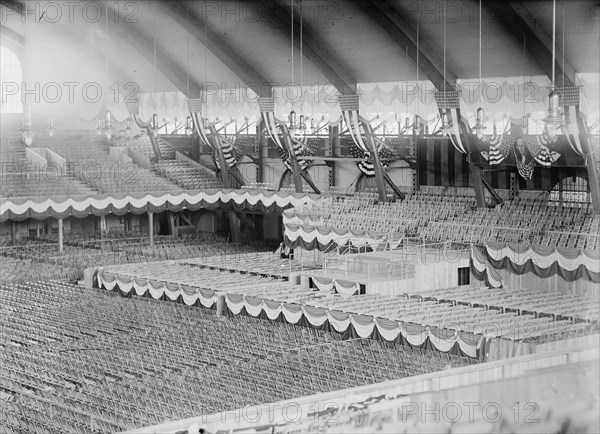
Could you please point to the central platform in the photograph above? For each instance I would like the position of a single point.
(394, 272)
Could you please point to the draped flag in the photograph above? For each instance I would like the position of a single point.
(449, 104)
(499, 148)
(569, 100)
(195, 108)
(231, 153)
(355, 124)
(357, 128)
(525, 161)
(539, 150)
(299, 145)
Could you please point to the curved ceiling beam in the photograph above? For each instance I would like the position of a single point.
(198, 29)
(16, 37)
(145, 46)
(313, 48)
(519, 22)
(401, 32)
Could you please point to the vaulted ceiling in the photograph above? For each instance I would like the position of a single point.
(232, 43)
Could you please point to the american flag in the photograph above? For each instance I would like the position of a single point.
(448, 103)
(367, 166)
(299, 145)
(525, 163)
(499, 147)
(539, 150)
(231, 153)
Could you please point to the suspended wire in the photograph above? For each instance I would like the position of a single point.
(187, 41)
(154, 46)
(106, 44)
(417, 98)
(553, 42)
(480, 43)
(301, 24)
(444, 46)
(563, 43)
(292, 39)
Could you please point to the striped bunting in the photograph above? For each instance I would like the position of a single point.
(499, 147)
(195, 108)
(349, 105)
(230, 153)
(366, 166)
(524, 167)
(540, 151)
(267, 108)
(569, 98)
(448, 103)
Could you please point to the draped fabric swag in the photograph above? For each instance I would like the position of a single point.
(501, 98)
(356, 326)
(128, 285)
(19, 209)
(543, 261)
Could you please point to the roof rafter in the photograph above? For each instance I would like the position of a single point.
(402, 33)
(314, 49)
(164, 63)
(198, 29)
(517, 19)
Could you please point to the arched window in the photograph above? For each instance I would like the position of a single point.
(12, 76)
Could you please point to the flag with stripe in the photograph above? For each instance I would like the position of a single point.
(499, 148)
(524, 160)
(539, 150)
(448, 103)
(195, 108)
(349, 105)
(367, 166)
(573, 129)
(272, 126)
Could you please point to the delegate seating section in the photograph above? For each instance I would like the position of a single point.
(141, 142)
(20, 178)
(81, 360)
(441, 215)
(571, 306)
(260, 263)
(40, 259)
(186, 274)
(187, 176)
(93, 165)
(478, 320)
(40, 183)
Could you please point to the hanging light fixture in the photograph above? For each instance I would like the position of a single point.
(50, 127)
(296, 128)
(479, 122)
(554, 119)
(417, 125)
(108, 129)
(128, 124)
(27, 134)
(155, 126)
(189, 128)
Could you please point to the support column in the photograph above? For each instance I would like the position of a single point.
(13, 232)
(60, 236)
(379, 173)
(37, 229)
(476, 176)
(593, 180)
(151, 227)
(296, 170)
